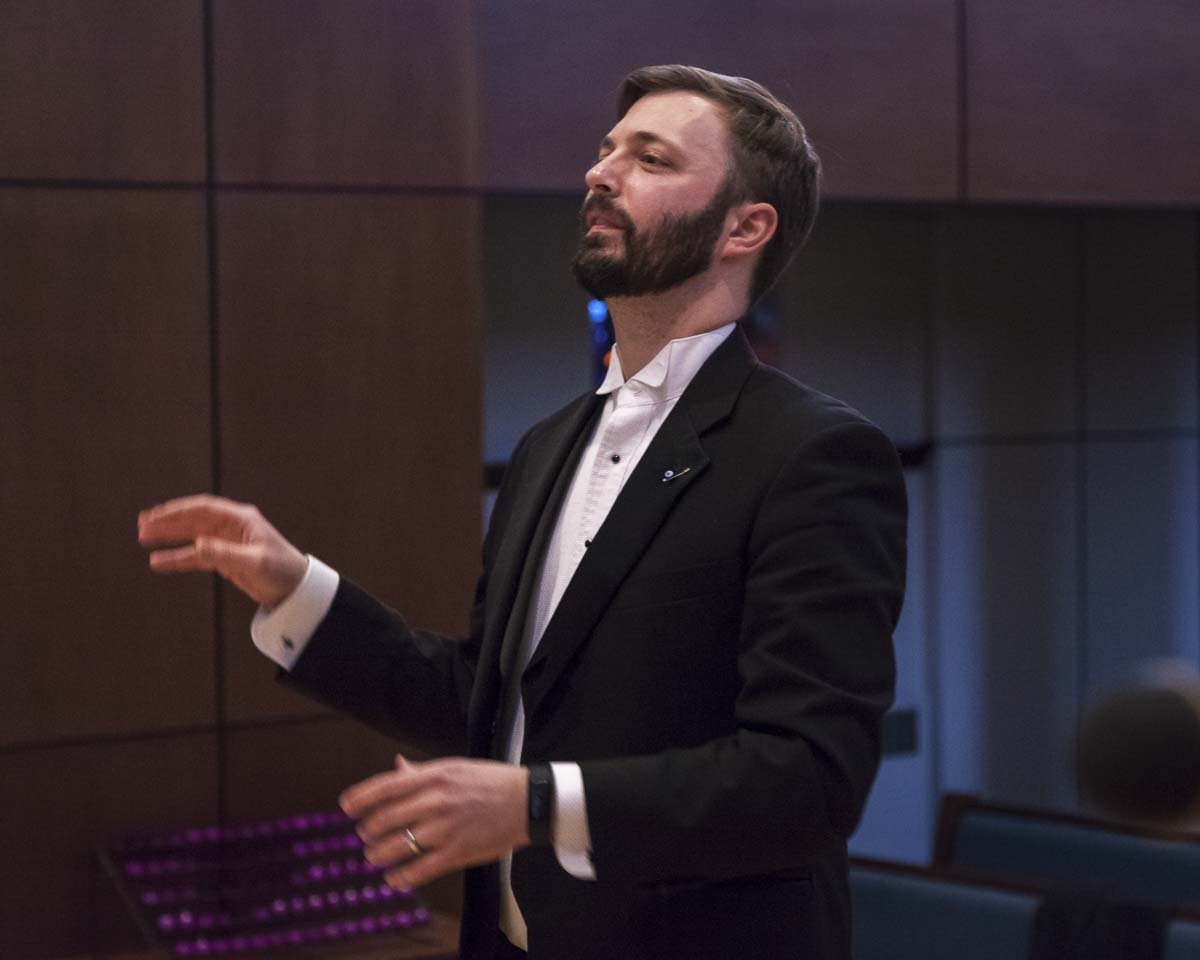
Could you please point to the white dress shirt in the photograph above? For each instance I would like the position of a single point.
(632, 414)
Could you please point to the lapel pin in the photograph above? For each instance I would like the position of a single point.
(670, 475)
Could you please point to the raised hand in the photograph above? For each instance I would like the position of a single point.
(205, 532)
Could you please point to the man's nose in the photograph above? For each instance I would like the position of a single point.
(601, 178)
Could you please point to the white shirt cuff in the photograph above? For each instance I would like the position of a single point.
(283, 631)
(572, 839)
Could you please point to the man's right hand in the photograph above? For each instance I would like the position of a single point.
(204, 532)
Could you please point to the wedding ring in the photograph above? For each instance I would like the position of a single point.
(415, 847)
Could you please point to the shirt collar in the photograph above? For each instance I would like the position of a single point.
(668, 374)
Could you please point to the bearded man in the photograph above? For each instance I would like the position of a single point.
(668, 705)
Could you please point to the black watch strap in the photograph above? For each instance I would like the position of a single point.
(541, 804)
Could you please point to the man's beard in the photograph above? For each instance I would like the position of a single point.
(677, 248)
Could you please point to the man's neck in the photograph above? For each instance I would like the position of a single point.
(644, 325)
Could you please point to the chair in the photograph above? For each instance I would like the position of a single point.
(906, 913)
(1102, 857)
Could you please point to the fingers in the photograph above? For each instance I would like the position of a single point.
(421, 870)
(207, 553)
(187, 518)
(432, 833)
(359, 800)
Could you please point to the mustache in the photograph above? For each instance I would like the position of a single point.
(599, 203)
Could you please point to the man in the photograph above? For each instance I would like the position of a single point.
(683, 624)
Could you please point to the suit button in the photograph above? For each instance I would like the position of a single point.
(616, 458)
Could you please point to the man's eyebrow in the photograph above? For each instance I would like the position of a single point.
(643, 137)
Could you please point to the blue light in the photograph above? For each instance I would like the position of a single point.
(597, 311)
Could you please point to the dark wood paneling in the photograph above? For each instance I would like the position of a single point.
(297, 767)
(59, 804)
(345, 91)
(1007, 323)
(873, 81)
(105, 399)
(1084, 101)
(102, 89)
(350, 399)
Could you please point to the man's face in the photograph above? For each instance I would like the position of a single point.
(657, 198)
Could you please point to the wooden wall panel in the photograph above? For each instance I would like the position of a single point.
(58, 804)
(345, 91)
(1087, 101)
(873, 81)
(350, 398)
(102, 89)
(105, 399)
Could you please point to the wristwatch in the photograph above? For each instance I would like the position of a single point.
(541, 804)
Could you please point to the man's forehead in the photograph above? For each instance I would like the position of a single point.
(678, 118)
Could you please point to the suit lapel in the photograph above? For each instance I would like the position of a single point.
(548, 460)
(674, 461)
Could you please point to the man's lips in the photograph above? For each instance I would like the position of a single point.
(598, 221)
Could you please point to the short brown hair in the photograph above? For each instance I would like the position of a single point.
(773, 160)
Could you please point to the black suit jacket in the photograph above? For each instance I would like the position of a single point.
(718, 666)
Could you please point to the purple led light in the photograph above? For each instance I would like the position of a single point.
(186, 919)
(295, 936)
(150, 898)
(334, 870)
(404, 918)
(350, 895)
(420, 914)
(279, 906)
(368, 925)
(202, 947)
(316, 872)
(260, 941)
(332, 898)
(239, 943)
(349, 927)
(300, 849)
(386, 922)
(166, 922)
(262, 914)
(134, 868)
(331, 930)
(183, 949)
(369, 894)
(315, 901)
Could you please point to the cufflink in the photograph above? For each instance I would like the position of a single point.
(669, 475)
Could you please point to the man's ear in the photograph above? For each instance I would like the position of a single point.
(753, 227)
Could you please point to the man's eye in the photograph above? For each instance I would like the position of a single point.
(653, 160)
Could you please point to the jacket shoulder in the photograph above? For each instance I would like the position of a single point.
(795, 408)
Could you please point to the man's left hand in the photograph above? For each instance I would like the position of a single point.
(459, 812)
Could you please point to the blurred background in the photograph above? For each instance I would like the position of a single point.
(314, 255)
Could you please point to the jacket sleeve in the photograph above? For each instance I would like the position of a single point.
(366, 660)
(823, 587)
